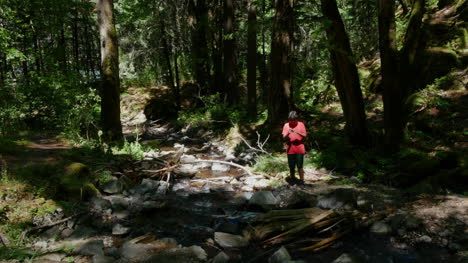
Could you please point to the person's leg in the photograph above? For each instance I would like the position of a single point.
(292, 166)
(300, 166)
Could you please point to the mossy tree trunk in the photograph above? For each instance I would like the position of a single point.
(110, 96)
(230, 54)
(280, 93)
(346, 74)
(252, 61)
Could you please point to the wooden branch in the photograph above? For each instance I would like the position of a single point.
(25, 232)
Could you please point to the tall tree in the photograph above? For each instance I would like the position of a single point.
(392, 95)
(200, 60)
(110, 101)
(280, 94)
(230, 54)
(398, 68)
(345, 73)
(252, 61)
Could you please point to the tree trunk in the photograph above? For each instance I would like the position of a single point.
(346, 74)
(252, 62)
(216, 47)
(199, 44)
(167, 57)
(177, 89)
(392, 96)
(279, 96)
(230, 54)
(110, 103)
(262, 67)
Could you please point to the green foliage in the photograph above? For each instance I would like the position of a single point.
(316, 93)
(134, 149)
(271, 164)
(15, 253)
(214, 112)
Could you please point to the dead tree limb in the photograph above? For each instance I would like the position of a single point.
(25, 232)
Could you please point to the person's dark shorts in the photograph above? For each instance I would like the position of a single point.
(296, 160)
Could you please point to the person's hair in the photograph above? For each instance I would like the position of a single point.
(292, 115)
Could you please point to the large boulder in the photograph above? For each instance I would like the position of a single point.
(264, 199)
(340, 199)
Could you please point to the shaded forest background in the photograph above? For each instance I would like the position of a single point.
(381, 85)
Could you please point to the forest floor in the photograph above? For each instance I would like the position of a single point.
(153, 218)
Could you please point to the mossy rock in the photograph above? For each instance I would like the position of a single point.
(75, 177)
(90, 191)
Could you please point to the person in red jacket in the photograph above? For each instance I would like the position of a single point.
(294, 133)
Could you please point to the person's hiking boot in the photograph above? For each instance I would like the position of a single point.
(292, 180)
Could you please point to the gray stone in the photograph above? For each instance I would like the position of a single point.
(112, 186)
(112, 252)
(280, 256)
(152, 205)
(90, 248)
(99, 204)
(103, 259)
(347, 258)
(82, 231)
(131, 251)
(147, 185)
(289, 199)
(380, 228)
(180, 186)
(124, 214)
(425, 239)
(199, 252)
(340, 199)
(51, 257)
(162, 189)
(187, 169)
(412, 222)
(263, 198)
(218, 167)
(118, 229)
(226, 240)
(118, 202)
(222, 188)
(220, 258)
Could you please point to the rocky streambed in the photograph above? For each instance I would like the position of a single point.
(199, 214)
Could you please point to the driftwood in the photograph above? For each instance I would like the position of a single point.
(260, 144)
(27, 231)
(287, 226)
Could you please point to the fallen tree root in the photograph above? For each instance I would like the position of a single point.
(27, 231)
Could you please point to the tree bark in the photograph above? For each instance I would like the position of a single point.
(346, 74)
(252, 61)
(230, 54)
(110, 97)
(279, 95)
(199, 44)
(392, 95)
(167, 57)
